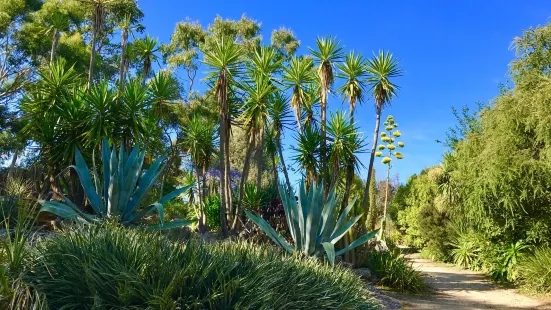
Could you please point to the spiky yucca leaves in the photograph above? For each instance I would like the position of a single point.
(116, 194)
(298, 76)
(345, 143)
(307, 149)
(313, 223)
(144, 50)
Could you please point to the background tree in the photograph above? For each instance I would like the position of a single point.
(381, 69)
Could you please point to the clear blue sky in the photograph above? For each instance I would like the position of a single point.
(453, 52)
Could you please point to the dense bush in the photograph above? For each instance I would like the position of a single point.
(112, 267)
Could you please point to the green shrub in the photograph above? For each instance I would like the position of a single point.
(395, 272)
(113, 267)
(534, 271)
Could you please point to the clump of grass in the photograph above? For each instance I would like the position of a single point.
(534, 271)
(396, 272)
(108, 266)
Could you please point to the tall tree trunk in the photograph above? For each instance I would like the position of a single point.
(122, 69)
(13, 163)
(371, 159)
(227, 167)
(244, 174)
(92, 59)
(274, 171)
(201, 219)
(387, 190)
(280, 151)
(349, 164)
(224, 135)
(323, 148)
(259, 158)
(55, 42)
(297, 116)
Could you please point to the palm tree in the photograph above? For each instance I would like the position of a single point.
(123, 66)
(57, 23)
(298, 76)
(309, 106)
(346, 143)
(199, 137)
(279, 119)
(381, 69)
(353, 72)
(255, 118)
(145, 50)
(328, 52)
(99, 11)
(224, 59)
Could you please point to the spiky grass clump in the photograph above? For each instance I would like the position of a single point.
(395, 272)
(535, 271)
(113, 267)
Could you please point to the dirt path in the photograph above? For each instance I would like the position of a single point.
(462, 289)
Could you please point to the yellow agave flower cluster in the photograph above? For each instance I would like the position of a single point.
(388, 138)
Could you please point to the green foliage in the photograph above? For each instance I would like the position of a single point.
(313, 223)
(112, 267)
(396, 272)
(119, 193)
(535, 271)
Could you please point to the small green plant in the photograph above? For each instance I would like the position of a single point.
(395, 272)
(313, 223)
(465, 252)
(534, 271)
(505, 269)
(252, 197)
(117, 196)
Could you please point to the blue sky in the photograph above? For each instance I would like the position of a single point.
(453, 52)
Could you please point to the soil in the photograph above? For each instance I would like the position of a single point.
(456, 288)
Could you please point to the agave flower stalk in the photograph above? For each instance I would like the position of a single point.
(388, 140)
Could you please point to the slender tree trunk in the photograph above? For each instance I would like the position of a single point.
(229, 198)
(349, 164)
(323, 148)
(122, 69)
(244, 174)
(283, 164)
(92, 59)
(371, 159)
(55, 42)
(259, 158)
(297, 116)
(387, 189)
(223, 116)
(201, 208)
(274, 171)
(13, 163)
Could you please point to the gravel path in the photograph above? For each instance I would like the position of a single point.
(463, 289)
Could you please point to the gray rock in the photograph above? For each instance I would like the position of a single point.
(363, 273)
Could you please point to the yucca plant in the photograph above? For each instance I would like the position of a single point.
(313, 223)
(118, 195)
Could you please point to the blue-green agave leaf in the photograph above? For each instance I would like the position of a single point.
(363, 239)
(330, 251)
(276, 237)
(86, 181)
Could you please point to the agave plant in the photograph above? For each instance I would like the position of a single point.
(118, 196)
(313, 223)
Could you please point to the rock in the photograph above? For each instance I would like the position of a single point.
(363, 273)
(385, 301)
